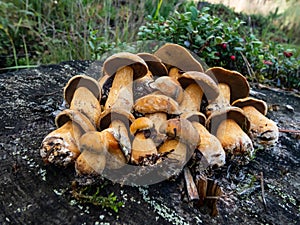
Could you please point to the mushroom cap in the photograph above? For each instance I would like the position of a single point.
(114, 114)
(260, 105)
(153, 103)
(117, 61)
(194, 116)
(234, 113)
(154, 64)
(239, 86)
(76, 117)
(81, 81)
(169, 86)
(141, 123)
(205, 82)
(178, 56)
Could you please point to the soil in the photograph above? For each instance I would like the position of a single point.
(34, 193)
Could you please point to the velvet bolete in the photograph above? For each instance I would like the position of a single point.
(232, 86)
(230, 126)
(262, 130)
(83, 94)
(60, 146)
(125, 67)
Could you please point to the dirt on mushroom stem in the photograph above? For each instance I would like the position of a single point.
(33, 187)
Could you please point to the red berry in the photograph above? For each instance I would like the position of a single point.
(224, 45)
(287, 54)
(232, 57)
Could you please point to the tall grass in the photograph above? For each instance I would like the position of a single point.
(43, 32)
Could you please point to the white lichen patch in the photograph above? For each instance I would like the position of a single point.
(162, 210)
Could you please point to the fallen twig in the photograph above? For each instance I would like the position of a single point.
(190, 185)
(289, 131)
(263, 190)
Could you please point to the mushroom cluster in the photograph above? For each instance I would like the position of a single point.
(146, 109)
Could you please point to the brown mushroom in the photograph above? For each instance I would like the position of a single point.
(232, 85)
(230, 126)
(82, 93)
(155, 65)
(181, 129)
(142, 144)
(100, 150)
(126, 67)
(169, 86)
(92, 160)
(157, 107)
(181, 142)
(119, 120)
(60, 146)
(179, 58)
(208, 144)
(195, 85)
(262, 130)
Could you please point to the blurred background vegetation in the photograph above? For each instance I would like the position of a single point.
(265, 48)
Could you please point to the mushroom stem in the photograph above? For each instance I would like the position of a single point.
(209, 146)
(224, 97)
(192, 98)
(158, 119)
(262, 129)
(174, 72)
(222, 101)
(120, 94)
(177, 151)
(60, 146)
(92, 160)
(85, 102)
(142, 147)
(120, 133)
(233, 139)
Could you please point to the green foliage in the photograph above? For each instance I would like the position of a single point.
(228, 44)
(85, 195)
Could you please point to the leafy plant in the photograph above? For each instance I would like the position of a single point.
(228, 44)
(85, 195)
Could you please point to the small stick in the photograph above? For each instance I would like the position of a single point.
(263, 190)
(289, 131)
(190, 185)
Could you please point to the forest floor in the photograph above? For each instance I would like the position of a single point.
(265, 191)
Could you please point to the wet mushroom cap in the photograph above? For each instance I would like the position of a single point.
(140, 124)
(234, 113)
(174, 55)
(155, 65)
(153, 103)
(239, 86)
(205, 82)
(169, 86)
(76, 117)
(81, 81)
(260, 105)
(120, 60)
